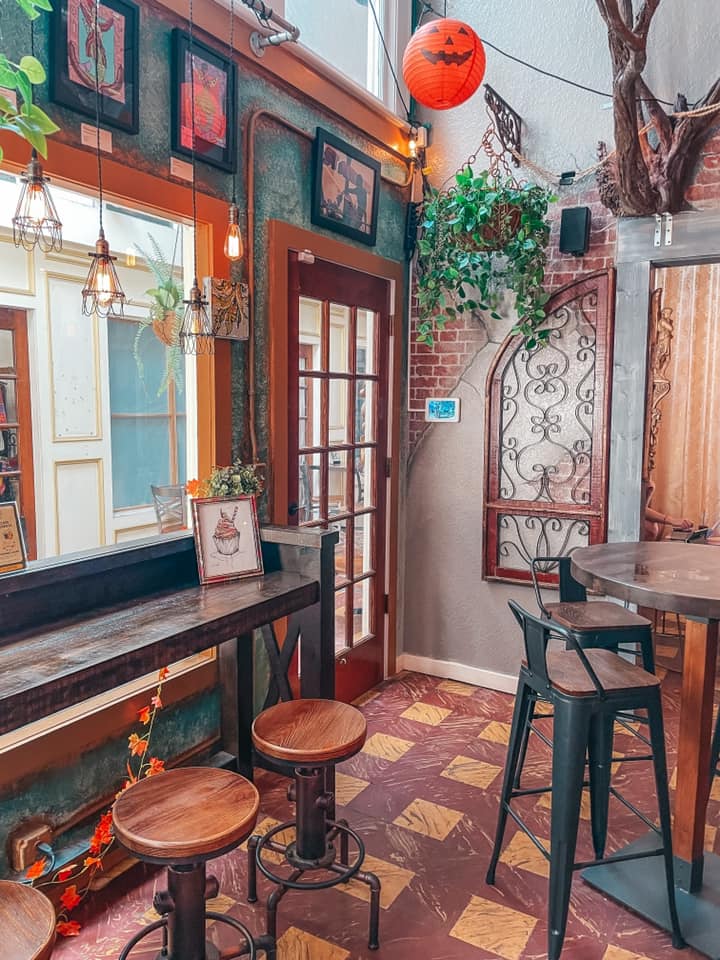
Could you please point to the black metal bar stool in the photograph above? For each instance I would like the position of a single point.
(308, 737)
(181, 819)
(27, 922)
(586, 689)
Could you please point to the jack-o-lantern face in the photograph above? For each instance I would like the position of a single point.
(444, 63)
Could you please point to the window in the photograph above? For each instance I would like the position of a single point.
(547, 442)
(344, 33)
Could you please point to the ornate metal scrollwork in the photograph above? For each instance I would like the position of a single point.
(520, 538)
(508, 123)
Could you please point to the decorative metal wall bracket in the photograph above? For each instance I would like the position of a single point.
(287, 33)
(229, 307)
(508, 123)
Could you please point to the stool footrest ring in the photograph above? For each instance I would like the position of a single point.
(343, 871)
(252, 944)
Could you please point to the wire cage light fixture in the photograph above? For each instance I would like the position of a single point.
(233, 248)
(196, 334)
(36, 221)
(103, 293)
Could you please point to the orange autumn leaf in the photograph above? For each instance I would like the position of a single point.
(138, 746)
(68, 928)
(65, 872)
(103, 833)
(155, 766)
(156, 702)
(164, 674)
(144, 715)
(70, 898)
(193, 488)
(36, 869)
(93, 862)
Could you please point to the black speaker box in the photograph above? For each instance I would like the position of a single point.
(575, 231)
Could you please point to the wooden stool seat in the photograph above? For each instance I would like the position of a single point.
(591, 615)
(185, 815)
(568, 675)
(309, 732)
(27, 922)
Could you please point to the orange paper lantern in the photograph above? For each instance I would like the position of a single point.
(444, 63)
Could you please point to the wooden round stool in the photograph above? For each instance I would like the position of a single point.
(181, 819)
(310, 736)
(27, 922)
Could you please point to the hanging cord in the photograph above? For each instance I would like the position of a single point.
(192, 145)
(97, 113)
(232, 60)
(389, 59)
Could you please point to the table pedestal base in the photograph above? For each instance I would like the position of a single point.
(640, 885)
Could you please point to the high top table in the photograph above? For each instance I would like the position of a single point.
(678, 578)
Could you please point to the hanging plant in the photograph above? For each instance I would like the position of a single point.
(165, 313)
(483, 236)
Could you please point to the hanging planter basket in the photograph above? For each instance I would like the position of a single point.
(165, 328)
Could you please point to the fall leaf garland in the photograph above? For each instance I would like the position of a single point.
(102, 838)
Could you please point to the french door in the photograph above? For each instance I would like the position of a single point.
(16, 448)
(337, 446)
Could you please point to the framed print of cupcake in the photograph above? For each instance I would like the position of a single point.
(227, 538)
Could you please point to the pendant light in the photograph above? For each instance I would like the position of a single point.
(196, 332)
(233, 239)
(36, 222)
(102, 293)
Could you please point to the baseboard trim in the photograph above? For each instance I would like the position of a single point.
(450, 670)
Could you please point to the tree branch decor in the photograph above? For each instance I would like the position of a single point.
(78, 877)
(650, 178)
(485, 235)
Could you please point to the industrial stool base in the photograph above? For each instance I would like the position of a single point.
(313, 849)
(184, 917)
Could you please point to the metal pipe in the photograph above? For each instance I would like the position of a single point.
(250, 200)
(288, 33)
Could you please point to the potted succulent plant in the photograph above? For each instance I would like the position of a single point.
(483, 236)
(239, 479)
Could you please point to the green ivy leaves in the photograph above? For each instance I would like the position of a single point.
(482, 237)
(19, 115)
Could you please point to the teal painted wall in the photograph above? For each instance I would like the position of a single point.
(283, 188)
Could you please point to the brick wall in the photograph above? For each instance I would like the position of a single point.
(436, 370)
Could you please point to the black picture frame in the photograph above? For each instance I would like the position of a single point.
(71, 85)
(207, 149)
(339, 202)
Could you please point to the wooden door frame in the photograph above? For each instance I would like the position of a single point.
(284, 238)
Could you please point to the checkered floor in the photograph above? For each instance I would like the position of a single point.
(424, 794)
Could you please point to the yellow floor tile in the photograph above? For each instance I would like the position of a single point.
(545, 803)
(295, 944)
(393, 880)
(496, 732)
(387, 747)
(617, 953)
(495, 928)
(522, 853)
(715, 790)
(220, 904)
(347, 788)
(429, 819)
(261, 829)
(542, 708)
(366, 698)
(426, 713)
(459, 689)
(473, 772)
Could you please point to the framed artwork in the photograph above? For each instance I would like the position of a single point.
(214, 80)
(72, 59)
(227, 538)
(12, 544)
(346, 189)
(442, 409)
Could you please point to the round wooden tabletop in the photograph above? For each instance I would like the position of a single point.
(27, 922)
(678, 577)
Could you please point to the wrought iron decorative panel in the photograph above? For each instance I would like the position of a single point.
(547, 434)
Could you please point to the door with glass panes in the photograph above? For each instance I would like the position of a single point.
(338, 387)
(16, 446)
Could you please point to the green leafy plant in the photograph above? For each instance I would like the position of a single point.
(480, 238)
(239, 479)
(23, 117)
(165, 314)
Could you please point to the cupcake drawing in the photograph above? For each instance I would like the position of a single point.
(226, 536)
